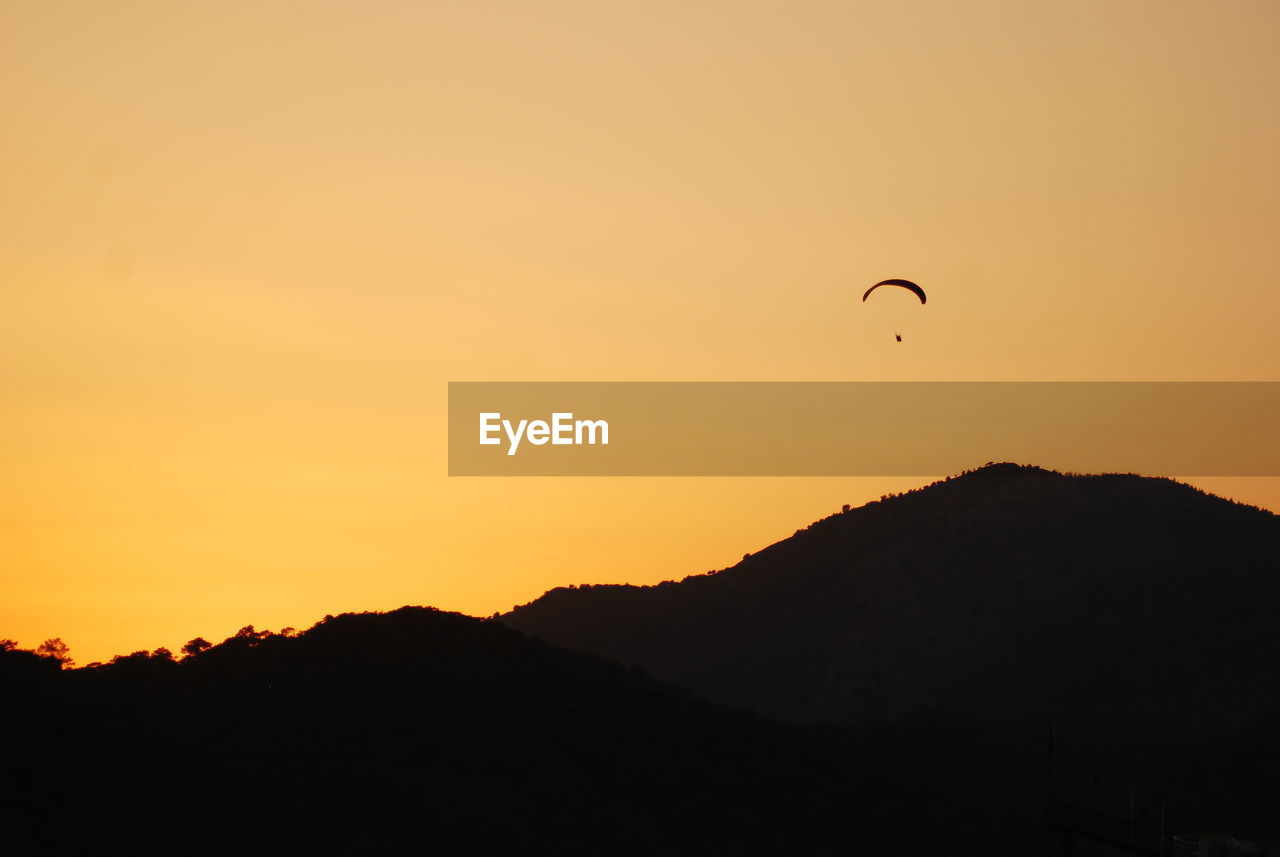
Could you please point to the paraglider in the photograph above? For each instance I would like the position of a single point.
(906, 284)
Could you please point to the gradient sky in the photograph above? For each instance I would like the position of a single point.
(244, 246)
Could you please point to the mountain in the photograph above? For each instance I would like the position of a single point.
(1091, 659)
(419, 731)
(920, 647)
(1119, 608)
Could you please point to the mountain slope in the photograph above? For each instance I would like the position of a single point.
(415, 732)
(1119, 607)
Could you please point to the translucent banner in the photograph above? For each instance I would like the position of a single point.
(861, 428)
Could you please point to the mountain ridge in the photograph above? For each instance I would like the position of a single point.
(419, 731)
(954, 593)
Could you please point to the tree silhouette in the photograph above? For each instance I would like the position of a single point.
(195, 647)
(56, 649)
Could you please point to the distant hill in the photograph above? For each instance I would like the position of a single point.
(419, 732)
(1120, 608)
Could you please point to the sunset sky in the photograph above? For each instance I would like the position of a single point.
(245, 245)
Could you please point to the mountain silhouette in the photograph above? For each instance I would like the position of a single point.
(1011, 661)
(1093, 657)
(1116, 607)
(418, 731)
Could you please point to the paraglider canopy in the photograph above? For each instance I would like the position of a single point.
(906, 284)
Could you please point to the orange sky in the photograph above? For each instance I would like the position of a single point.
(244, 245)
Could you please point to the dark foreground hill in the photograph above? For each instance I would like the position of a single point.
(1115, 606)
(419, 732)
